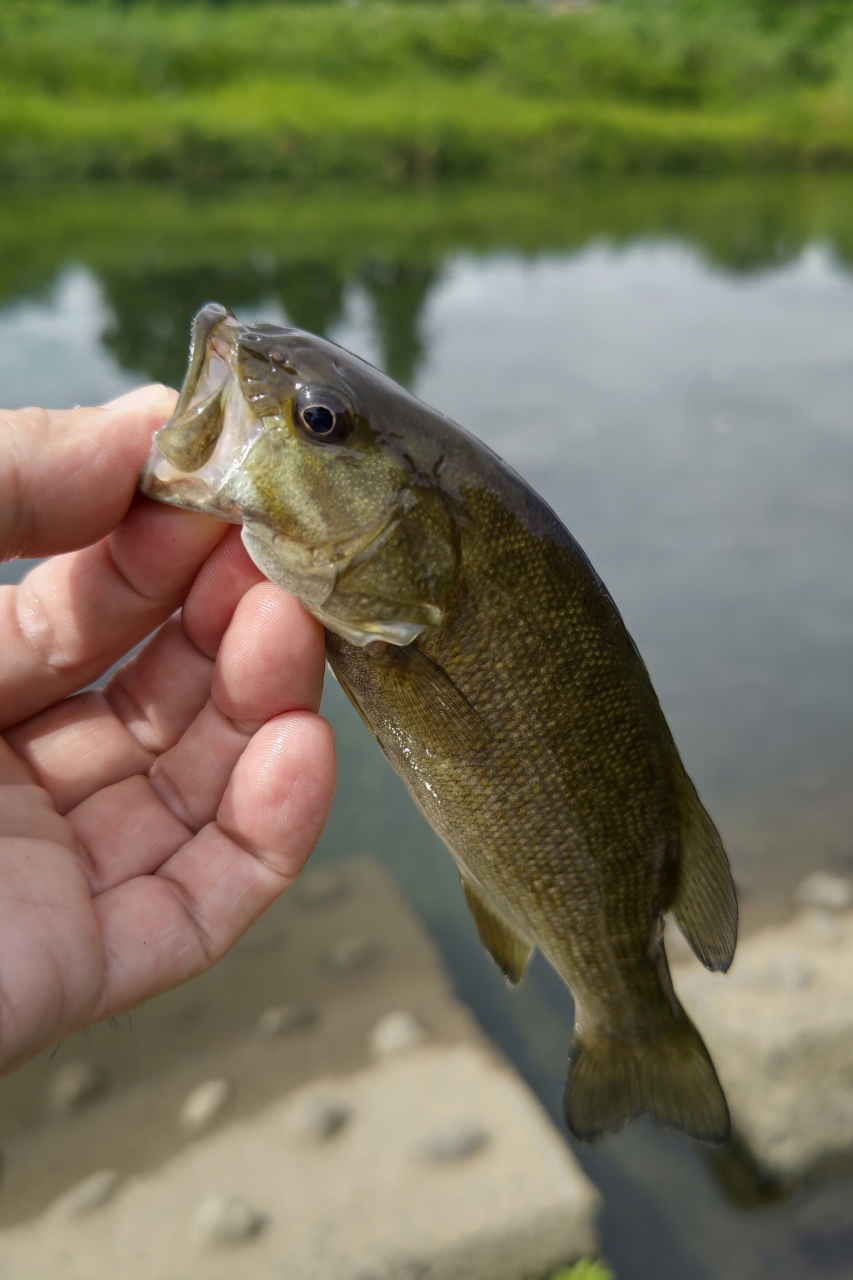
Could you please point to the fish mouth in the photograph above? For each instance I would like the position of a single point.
(201, 447)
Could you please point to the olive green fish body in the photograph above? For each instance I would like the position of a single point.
(488, 659)
(525, 800)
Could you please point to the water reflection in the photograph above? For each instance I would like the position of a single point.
(671, 367)
(150, 312)
(398, 291)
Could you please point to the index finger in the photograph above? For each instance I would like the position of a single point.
(74, 616)
(67, 477)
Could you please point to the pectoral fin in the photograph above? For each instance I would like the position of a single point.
(425, 700)
(705, 906)
(508, 948)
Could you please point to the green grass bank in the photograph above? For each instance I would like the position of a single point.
(400, 92)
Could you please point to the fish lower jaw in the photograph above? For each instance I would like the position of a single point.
(211, 489)
(164, 483)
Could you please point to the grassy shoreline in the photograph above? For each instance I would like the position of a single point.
(396, 93)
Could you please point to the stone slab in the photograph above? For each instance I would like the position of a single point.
(779, 1027)
(343, 944)
(399, 1189)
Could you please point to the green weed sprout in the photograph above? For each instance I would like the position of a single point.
(586, 1269)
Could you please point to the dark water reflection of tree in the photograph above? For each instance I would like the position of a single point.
(151, 310)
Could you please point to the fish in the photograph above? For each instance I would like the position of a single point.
(490, 663)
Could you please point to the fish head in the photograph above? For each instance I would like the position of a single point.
(330, 468)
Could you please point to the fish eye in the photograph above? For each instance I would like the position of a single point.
(321, 415)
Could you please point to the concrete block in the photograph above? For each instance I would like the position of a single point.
(446, 1169)
(779, 1027)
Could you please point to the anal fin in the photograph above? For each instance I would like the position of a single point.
(505, 944)
(705, 906)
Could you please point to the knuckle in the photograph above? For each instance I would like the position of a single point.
(37, 627)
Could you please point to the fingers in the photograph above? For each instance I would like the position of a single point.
(279, 796)
(68, 476)
(191, 778)
(162, 689)
(158, 693)
(270, 663)
(74, 616)
(223, 579)
(12, 767)
(161, 930)
(122, 900)
(26, 810)
(129, 830)
(125, 831)
(272, 660)
(50, 946)
(79, 746)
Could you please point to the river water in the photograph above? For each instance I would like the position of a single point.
(687, 413)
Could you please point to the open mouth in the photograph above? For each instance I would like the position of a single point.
(195, 455)
(189, 438)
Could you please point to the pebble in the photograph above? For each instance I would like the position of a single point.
(350, 954)
(204, 1103)
(457, 1142)
(226, 1220)
(831, 893)
(87, 1195)
(318, 1119)
(74, 1085)
(321, 888)
(282, 1018)
(395, 1033)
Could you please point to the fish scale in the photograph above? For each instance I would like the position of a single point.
(489, 661)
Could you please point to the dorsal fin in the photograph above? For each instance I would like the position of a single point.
(705, 905)
(506, 945)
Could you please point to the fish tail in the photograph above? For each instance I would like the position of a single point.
(670, 1078)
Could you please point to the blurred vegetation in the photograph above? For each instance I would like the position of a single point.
(401, 91)
(586, 1269)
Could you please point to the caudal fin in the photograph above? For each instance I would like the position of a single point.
(671, 1079)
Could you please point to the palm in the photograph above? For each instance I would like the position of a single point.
(144, 826)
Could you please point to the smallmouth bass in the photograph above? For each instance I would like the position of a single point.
(489, 661)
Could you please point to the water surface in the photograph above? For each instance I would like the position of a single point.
(678, 386)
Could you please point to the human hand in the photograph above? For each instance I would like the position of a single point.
(143, 826)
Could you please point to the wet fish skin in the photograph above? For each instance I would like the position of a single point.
(492, 666)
